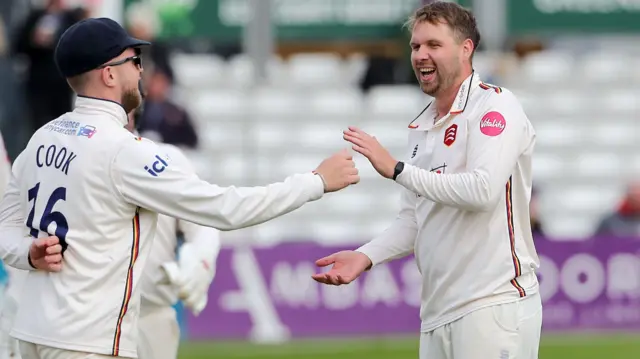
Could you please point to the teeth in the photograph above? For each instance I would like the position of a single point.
(427, 71)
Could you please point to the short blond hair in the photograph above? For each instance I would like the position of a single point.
(460, 20)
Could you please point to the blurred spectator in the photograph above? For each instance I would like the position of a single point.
(160, 119)
(625, 222)
(508, 64)
(143, 23)
(47, 93)
(163, 119)
(536, 225)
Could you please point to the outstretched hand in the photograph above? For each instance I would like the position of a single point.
(46, 254)
(347, 266)
(369, 147)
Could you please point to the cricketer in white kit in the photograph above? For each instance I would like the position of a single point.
(99, 189)
(165, 280)
(465, 203)
(8, 345)
(159, 332)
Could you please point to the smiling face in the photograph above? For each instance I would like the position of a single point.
(436, 56)
(443, 39)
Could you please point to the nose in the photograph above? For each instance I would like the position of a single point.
(421, 54)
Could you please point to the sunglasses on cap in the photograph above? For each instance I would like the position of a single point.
(137, 60)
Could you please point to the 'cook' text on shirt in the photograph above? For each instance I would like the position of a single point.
(57, 157)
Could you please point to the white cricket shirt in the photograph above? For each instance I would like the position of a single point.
(5, 166)
(465, 206)
(98, 187)
(16, 276)
(155, 288)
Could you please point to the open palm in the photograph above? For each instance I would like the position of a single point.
(347, 266)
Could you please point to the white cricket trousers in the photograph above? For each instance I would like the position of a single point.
(504, 331)
(37, 351)
(158, 332)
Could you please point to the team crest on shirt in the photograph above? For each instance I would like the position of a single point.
(450, 135)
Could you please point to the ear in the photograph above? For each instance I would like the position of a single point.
(108, 76)
(467, 48)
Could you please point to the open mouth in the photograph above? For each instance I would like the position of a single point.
(427, 73)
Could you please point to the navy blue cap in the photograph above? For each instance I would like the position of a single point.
(90, 43)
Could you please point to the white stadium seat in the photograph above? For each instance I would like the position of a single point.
(198, 71)
(311, 69)
(547, 67)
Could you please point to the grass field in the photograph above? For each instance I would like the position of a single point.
(553, 347)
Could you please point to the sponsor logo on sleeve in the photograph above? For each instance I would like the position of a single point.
(492, 124)
(158, 166)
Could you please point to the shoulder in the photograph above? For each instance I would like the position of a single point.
(493, 96)
(497, 102)
(134, 149)
(175, 154)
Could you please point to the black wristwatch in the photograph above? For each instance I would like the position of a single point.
(398, 170)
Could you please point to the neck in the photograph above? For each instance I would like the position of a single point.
(445, 99)
(101, 95)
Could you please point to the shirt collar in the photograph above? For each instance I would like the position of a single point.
(424, 121)
(113, 109)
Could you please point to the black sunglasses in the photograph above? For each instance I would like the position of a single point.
(137, 60)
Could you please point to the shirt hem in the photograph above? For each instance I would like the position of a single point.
(70, 346)
(428, 326)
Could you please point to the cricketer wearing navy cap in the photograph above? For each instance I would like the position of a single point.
(92, 53)
(98, 189)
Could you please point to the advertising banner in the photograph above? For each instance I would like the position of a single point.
(223, 20)
(267, 293)
(572, 16)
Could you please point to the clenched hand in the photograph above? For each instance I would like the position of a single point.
(46, 254)
(338, 171)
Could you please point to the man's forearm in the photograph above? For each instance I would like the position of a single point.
(14, 248)
(468, 191)
(395, 242)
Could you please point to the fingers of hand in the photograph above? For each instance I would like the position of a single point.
(352, 137)
(358, 142)
(323, 262)
(54, 249)
(53, 258)
(51, 241)
(361, 150)
(41, 243)
(330, 278)
(320, 278)
(356, 130)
